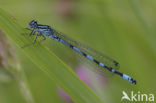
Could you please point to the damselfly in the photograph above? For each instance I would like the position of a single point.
(92, 55)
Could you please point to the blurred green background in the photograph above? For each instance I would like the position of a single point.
(122, 29)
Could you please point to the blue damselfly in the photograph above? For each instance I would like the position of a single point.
(92, 55)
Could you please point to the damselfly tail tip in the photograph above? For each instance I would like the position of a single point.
(134, 81)
(126, 77)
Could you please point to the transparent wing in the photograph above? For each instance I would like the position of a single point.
(109, 62)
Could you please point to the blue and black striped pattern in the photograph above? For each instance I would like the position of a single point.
(92, 55)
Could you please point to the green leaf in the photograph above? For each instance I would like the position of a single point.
(48, 62)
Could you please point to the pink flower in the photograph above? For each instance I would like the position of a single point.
(82, 72)
(64, 96)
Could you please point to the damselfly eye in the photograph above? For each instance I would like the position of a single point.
(33, 24)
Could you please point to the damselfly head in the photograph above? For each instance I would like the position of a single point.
(33, 24)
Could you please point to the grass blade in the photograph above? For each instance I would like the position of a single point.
(48, 62)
